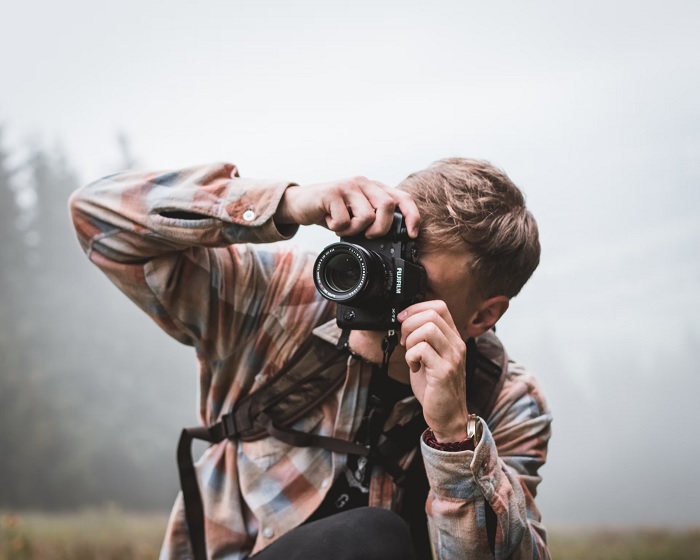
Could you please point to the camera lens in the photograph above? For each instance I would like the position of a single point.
(343, 272)
(349, 273)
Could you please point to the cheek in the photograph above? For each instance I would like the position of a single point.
(456, 303)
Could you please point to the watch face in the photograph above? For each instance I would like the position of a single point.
(478, 432)
(475, 429)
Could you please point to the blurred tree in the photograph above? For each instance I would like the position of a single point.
(34, 437)
(13, 393)
(10, 253)
(86, 416)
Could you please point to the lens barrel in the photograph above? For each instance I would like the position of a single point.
(346, 272)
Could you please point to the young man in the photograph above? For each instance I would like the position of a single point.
(186, 246)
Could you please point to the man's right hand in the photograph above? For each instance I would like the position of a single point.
(348, 207)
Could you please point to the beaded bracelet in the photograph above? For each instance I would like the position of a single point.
(464, 445)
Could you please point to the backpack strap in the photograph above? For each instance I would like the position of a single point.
(314, 372)
(487, 364)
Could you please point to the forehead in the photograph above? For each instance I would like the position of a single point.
(446, 268)
(450, 280)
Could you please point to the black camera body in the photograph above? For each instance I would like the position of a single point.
(371, 280)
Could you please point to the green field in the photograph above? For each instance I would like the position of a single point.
(113, 535)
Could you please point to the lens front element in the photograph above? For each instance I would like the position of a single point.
(342, 272)
(348, 273)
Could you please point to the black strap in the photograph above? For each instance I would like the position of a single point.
(389, 343)
(194, 510)
(399, 440)
(306, 439)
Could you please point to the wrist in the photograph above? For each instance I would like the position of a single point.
(285, 209)
(445, 436)
(455, 430)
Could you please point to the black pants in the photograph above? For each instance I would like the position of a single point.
(358, 534)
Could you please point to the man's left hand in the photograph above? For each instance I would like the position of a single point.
(436, 355)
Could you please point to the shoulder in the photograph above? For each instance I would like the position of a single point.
(522, 383)
(521, 397)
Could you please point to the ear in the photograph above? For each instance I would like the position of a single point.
(485, 317)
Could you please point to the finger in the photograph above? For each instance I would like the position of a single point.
(338, 220)
(384, 205)
(409, 209)
(425, 311)
(361, 212)
(433, 335)
(421, 354)
(417, 320)
(441, 336)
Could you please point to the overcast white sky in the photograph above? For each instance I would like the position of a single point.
(592, 107)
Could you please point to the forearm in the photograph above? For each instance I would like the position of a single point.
(131, 217)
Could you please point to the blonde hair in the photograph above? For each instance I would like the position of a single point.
(470, 204)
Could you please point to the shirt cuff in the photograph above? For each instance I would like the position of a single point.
(251, 205)
(463, 475)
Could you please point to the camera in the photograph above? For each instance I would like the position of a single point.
(371, 280)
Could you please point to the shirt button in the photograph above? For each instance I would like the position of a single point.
(324, 484)
(268, 532)
(248, 215)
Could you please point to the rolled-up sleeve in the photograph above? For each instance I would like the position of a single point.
(502, 472)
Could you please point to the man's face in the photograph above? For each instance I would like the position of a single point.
(450, 280)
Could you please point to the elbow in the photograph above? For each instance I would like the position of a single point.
(78, 209)
(79, 219)
(84, 210)
(75, 203)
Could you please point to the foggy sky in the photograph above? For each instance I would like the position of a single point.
(592, 108)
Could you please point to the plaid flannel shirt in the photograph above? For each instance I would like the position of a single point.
(181, 246)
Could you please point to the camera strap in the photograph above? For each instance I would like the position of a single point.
(389, 343)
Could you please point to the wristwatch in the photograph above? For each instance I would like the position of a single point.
(474, 429)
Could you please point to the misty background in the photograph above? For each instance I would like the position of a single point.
(592, 109)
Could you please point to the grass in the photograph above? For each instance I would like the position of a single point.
(105, 534)
(109, 534)
(625, 544)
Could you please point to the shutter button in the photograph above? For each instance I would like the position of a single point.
(248, 215)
